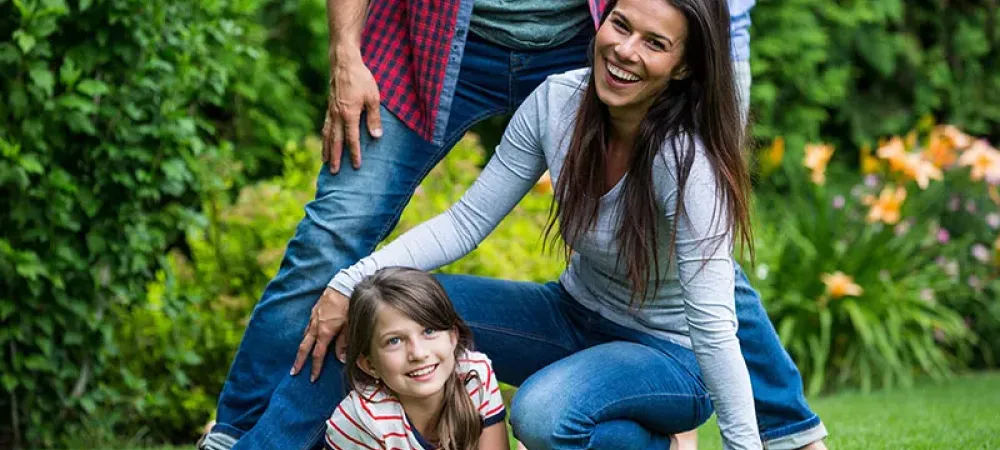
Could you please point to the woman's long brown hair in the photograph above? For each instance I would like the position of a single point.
(419, 296)
(702, 104)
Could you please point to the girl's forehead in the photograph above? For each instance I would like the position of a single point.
(389, 318)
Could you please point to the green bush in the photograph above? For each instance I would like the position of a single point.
(108, 109)
(849, 72)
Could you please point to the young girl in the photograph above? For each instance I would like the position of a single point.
(416, 382)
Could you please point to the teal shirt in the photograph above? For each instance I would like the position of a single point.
(528, 24)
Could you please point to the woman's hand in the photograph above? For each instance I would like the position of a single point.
(328, 317)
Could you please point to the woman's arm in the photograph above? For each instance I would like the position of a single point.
(707, 276)
(494, 437)
(513, 170)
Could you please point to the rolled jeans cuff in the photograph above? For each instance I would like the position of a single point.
(798, 439)
(219, 438)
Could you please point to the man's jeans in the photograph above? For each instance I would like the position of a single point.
(262, 407)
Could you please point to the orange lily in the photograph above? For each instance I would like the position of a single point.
(921, 170)
(773, 156)
(886, 207)
(983, 159)
(894, 151)
(817, 157)
(840, 285)
(869, 164)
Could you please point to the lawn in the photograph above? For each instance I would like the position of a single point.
(963, 413)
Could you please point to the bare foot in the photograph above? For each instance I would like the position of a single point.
(687, 440)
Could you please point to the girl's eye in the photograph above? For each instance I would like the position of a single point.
(393, 341)
(430, 332)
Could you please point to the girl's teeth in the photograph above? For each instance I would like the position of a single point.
(422, 372)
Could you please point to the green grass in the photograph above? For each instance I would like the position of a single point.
(962, 413)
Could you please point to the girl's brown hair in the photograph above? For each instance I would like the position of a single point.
(419, 296)
(702, 104)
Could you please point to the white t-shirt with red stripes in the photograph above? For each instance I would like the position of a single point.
(374, 419)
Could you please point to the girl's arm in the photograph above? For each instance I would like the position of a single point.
(518, 163)
(494, 437)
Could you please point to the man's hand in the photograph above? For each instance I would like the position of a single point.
(352, 90)
(327, 320)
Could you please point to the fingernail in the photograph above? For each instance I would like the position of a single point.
(292, 372)
(377, 132)
(312, 379)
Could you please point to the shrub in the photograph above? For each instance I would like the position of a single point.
(108, 108)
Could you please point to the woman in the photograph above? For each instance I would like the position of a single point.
(637, 340)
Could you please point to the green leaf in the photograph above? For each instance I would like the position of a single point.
(68, 72)
(92, 87)
(9, 53)
(31, 164)
(9, 382)
(76, 102)
(85, 5)
(42, 77)
(25, 41)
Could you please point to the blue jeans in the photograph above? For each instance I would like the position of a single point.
(262, 407)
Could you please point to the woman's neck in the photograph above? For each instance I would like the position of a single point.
(424, 414)
(625, 125)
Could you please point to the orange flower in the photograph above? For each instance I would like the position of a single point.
(817, 157)
(921, 170)
(940, 150)
(958, 139)
(894, 151)
(983, 159)
(544, 184)
(869, 164)
(886, 207)
(840, 285)
(773, 156)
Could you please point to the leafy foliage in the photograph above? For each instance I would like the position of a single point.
(108, 109)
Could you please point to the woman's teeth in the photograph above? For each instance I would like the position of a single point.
(422, 372)
(618, 73)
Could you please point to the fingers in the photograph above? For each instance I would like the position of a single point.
(336, 142)
(308, 340)
(340, 347)
(374, 119)
(319, 351)
(327, 136)
(352, 127)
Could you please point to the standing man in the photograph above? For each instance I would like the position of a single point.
(408, 78)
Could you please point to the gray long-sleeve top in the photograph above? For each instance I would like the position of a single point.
(695, 303)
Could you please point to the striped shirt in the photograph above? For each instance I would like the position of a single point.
(374, 419)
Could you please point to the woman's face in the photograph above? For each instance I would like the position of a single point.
(639, 49)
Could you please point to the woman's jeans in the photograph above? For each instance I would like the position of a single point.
(262, 407)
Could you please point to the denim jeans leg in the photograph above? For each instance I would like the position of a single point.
(351, 213)
(591, 399)
(784, 417)
(261, 405)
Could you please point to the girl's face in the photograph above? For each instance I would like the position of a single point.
(638, 50)
(410, 359)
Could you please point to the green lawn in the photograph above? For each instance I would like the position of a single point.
(963, 413)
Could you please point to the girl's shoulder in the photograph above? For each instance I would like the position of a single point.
(473, 360)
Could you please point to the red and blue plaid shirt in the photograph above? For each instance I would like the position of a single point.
(411, 46)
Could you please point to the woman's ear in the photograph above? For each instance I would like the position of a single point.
(680, 72)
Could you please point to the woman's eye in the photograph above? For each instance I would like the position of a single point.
(656, 45)
(619, 25)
